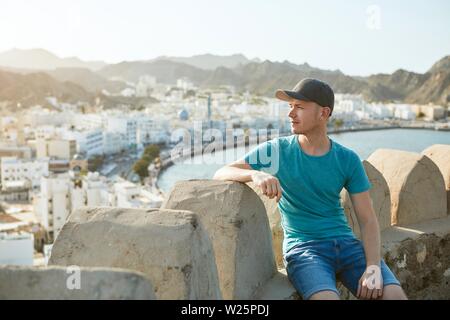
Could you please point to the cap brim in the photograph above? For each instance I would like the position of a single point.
(287, 95)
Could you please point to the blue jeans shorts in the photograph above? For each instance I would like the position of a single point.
(314, 266)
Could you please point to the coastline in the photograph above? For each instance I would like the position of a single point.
(433, 126)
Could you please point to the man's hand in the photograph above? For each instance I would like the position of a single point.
(370, 285)
(270, 186)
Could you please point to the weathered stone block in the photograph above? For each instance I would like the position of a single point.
(54, 283)
(170, 247)
(273, 213)
(278, 288)
(381, 200)
(416, 185)
(440, 155)
(237, 224)
(420, 258)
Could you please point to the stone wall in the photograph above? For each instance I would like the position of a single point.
(170, 247)
(439, 153)
(237, 224)
(215, 239)
(57, 283)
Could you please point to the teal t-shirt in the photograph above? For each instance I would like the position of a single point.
(310, 205)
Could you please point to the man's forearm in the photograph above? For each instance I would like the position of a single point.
(234, 174)
(370, 233)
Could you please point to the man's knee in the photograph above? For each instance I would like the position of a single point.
(393, 292)
(324, 295)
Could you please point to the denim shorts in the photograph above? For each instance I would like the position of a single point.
(314, 266)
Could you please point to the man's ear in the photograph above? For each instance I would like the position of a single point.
(327, 111)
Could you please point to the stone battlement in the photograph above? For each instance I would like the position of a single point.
(222, 240)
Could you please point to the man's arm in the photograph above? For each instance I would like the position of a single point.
(241, 171)
(370, 234)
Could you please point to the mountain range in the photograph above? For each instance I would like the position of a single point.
(75, 77)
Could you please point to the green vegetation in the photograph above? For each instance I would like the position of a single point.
(150, 154)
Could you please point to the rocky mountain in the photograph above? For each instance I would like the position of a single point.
(211, 61)
(34, 88)
(262, 78)
(40, 59)
(436, 86)
(89, 80)
(164, 71)
(265, 77)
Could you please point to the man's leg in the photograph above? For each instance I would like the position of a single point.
(325, 295)
(393, 292)
(353, 260)
(311, 269)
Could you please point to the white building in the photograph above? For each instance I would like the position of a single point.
(95, 190)
(130, 195)
(44, 132)
(90, 120)
(114, 142)
(13, 169)
(39, 116)
(380, 111)
(403, 111)
(126, 126)
(12, 150)
(63, 193)
(89, 141)
(152, 130)
(52, 206)
(350, 107)
(56, 148)
(16, 248)
(433, 112)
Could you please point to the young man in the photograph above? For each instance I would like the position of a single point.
(306, 172)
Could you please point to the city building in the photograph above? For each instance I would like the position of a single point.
(56, 148)
(63, 193)
(89, 141)
(14, 169)
(126, 126)
(130, 195)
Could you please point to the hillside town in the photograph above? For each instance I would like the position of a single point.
(55, 160)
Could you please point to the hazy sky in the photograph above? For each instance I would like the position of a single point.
(358, 37)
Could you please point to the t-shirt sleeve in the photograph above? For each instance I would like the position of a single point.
(357, 180)
(265, 157)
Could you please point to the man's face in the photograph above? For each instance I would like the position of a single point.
(305, 116)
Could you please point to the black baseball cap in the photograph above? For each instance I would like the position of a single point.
(309, 90)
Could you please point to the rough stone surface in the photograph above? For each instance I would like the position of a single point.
(274, 216)
(440, 154)
(421, 265)
(381, 200)
(32, 283)
(278, 288)
(170, 247)
(419, 256)
(415, 183)
(239, 229)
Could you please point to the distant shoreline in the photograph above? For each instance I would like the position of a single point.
(168, 163)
